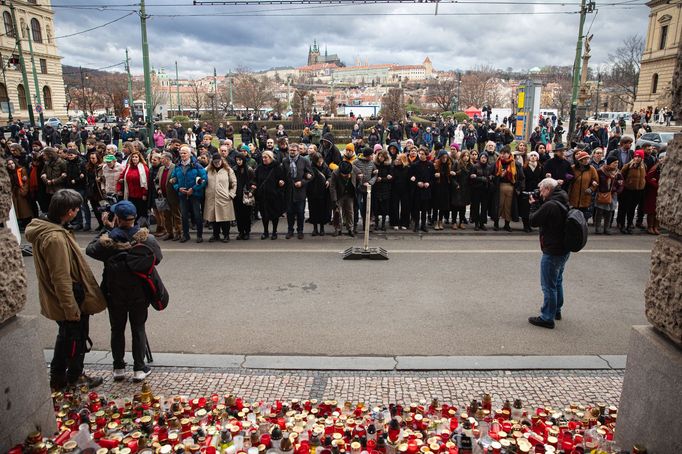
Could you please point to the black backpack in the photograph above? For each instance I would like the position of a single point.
(124, 271)
(575, 228)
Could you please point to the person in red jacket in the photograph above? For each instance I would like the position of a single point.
(133, 184)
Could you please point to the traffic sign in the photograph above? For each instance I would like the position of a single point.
(125, 103)
(39, 108)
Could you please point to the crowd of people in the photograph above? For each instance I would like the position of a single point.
(418, 178)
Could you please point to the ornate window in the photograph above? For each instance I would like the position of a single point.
(9, 27)
(22, 97)
(3, 93)
(35, 30)
(47, 97)
(654, 83)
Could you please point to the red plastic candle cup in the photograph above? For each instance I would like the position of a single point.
(265, 440)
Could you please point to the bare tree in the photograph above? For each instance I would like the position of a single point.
(196, 97)
(480, 86)
(560, 97)
(116, 91)
(393, 104)
(625, 65)
(442, 92)
(299, 102)
(251, 91)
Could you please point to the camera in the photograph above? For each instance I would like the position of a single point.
(534, 194)
(105, 206)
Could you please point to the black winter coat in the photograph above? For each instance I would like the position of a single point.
(461, 186)
(270, 196)
(382, 186)
(400, 183)
(423, 172)
(551, 219)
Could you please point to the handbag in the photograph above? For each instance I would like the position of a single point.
(604, 198)
(248, 199)
(162, 204)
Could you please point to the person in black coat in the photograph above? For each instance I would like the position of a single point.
(381, 193)
(319, 202)
(534, 174)
(245, 184)
(481, 181)
(422, 177)
(400, 193)
(443, 176)
(559, 168)
(461, 189)
(271, 193)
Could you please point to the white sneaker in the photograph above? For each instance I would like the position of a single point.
(119, 374)
(395, 227)
(141, 374)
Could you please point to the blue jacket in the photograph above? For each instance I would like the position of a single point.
(188, 176)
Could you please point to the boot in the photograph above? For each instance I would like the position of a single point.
(496, 226)
(507, 227)
(482, 226)
(608, 217)
(321, 230)
(383, 224)
(597, 221)
(315, 233)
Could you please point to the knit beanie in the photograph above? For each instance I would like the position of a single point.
(611, 159)
(345, 167)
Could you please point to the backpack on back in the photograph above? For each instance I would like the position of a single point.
(575, 228)
(126, 270)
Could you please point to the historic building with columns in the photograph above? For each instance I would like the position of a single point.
(660, 54)
(34, 17)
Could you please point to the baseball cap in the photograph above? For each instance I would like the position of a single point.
(124, 210)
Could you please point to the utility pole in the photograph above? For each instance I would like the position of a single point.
(576, 67)
(596, 107)
(147, 73)
(82, 90)
(230, 80)
(177, 88)
(130, 86)
(24, 76)
(35, 79)
(4, 79)
(459, 85)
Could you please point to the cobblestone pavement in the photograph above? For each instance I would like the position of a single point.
(553, 388)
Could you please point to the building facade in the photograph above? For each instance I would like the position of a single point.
(34, 17)
(660, 54)
(314, 56)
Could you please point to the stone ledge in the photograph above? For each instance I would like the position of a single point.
(663, 295)
(651, 393)
(668, 206)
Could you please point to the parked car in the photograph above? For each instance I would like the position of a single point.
(54, 122)
(659, 140)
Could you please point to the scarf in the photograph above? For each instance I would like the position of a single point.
(511, 169)
(143, 178)
(293, 169)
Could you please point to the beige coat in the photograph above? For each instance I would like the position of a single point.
(59, 264)
(220, 191)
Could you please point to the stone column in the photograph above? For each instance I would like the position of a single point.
(651, 402)
(25, 400)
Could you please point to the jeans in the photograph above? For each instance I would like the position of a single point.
(193, 204)
(119, 314)
(296, 212)
(551, 281)
(70, 348)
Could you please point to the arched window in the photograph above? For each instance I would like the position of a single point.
(3, 93)
(35, 30)
(47, 97)
(9, 27)
(654, 83)
(22, 27)
(22, 97)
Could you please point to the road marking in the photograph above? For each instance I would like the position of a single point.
(406, 251)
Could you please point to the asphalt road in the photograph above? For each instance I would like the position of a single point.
(440, 294)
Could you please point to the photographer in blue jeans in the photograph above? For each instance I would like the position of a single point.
(548, 214)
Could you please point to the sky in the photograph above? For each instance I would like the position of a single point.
(516, 34)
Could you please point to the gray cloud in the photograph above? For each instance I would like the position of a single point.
(199, 38)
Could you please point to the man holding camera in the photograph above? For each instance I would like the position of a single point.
(126, 296)
(549, 213)
(67, 288)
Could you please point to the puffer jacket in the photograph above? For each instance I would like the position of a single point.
(368, 170)
(190, 176)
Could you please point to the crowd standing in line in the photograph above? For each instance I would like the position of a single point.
(447, 175)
